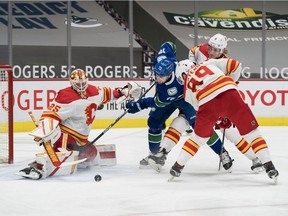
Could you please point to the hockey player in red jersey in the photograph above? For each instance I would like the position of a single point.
(214, 94)
(69, 119)
(216, 48)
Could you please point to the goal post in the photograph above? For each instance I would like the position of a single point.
(6, 114)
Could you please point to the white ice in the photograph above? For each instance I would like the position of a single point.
(126, 190)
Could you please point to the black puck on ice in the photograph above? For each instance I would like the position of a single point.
(97, 178)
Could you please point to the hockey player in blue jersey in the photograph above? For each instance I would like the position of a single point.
(168, 98)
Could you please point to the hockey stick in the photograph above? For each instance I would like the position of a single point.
(84, 147)
(222, 146)
(51, 152)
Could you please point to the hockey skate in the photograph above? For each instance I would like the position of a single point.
(257, 166)
(157, 161)
(143, 164)
(226, 160)
(176, 170)
(271, 171)
(30, 172)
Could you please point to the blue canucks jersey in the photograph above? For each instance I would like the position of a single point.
(168, 92)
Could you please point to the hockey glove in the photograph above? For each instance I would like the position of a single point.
(134, 107)
(131, 90)
(47, 131)
(223, 123)
(143, 103)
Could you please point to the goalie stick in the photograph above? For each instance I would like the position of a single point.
(84, 147)
(51, 152)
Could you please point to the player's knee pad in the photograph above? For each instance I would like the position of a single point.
(154, 124)
(90, 153)
(180, 124)
(250, 137)
(232, 134)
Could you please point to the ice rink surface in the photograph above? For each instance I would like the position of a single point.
(126, 190)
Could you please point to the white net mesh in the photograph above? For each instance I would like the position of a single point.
(4, 114)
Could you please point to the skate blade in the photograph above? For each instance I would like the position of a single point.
(154, 166)
(144, 167)
(258, 170)
(171, 179)
(275, 179)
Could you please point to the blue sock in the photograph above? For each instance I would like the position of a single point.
(154, 139)
(215, 143)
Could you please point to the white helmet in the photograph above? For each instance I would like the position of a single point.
(182, 68)
(78, 80)
(218, 41)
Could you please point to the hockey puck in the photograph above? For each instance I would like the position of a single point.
(97, 178)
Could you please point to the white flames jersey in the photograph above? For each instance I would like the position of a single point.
(208, 79)
(199, 54)
(77, 114)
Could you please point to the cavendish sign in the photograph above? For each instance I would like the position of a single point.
(231, 19)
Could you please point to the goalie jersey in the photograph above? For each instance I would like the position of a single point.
(75, 113)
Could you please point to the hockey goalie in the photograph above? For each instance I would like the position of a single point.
(68, 120)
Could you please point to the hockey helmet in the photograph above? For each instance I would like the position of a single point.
(218, 41)
(78, 80)
(163, 70)
(182, 68)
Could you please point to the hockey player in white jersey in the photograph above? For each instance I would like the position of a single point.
(214, 94)
(216, 48)
(68, 120)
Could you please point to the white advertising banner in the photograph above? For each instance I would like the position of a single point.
(268, 99)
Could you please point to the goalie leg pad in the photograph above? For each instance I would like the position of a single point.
(90, 153)
(45, 166)
(42, 167)
(106, 157)
(107, 154)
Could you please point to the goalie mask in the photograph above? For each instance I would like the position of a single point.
(79, 80)
(182, 69)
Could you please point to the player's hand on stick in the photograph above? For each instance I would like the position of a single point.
(223, 123)
(131, 90)
(38, 141)
(134, 106)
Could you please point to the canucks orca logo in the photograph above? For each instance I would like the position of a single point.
(172, 91)
(83, 22)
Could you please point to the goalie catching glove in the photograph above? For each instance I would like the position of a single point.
(47, 131)
(131, 90)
